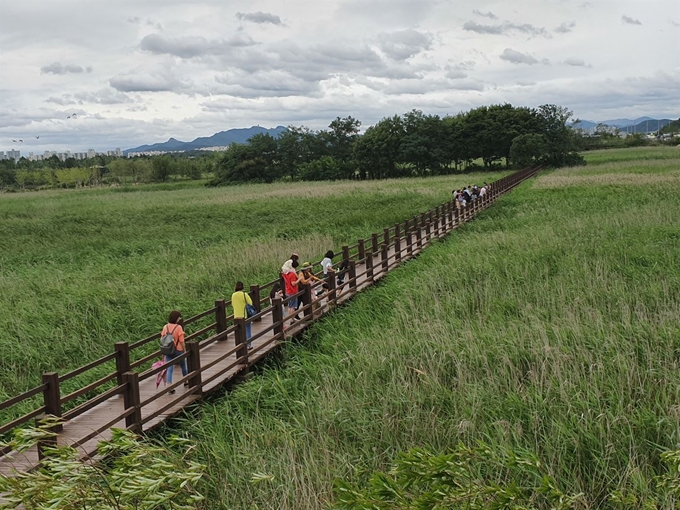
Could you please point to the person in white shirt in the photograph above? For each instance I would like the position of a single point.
(327, 262)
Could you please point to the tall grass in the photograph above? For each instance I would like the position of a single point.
(549, 324)
(82, 269)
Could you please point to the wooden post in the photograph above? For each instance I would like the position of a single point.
(385, 260)
(194, 365)
(451, 213)
(428, 230)
(345, 252)
(52, 396)
(362, 249)
(409, 244)
(240, 340)
(397, 243)
(277, 316)
(220, 316)
(331, 283)
(369, 268)
(48, 442)
(307, 299)
(122, 360)
(386, 237)
(131, 400)
(352, 276)
(374, 241)
(255, 297)
(419, 236)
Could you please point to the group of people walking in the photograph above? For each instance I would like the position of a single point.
(292, 273)
(469, 194)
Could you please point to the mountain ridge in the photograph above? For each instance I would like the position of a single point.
(220, 139)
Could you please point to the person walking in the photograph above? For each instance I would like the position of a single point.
(239, 299)
(291, 281)
(175, 328)
(308, 277)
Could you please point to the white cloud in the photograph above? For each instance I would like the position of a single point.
(190, 69)
(404, 44)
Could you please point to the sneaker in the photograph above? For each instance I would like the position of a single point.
(250, 346)
(172, 391)
(186, 383)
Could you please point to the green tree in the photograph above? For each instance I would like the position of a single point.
(528, 150)
(161, 168)
(325, 168)
(560, 138)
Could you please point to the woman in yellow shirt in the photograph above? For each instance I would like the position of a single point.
(238, 301)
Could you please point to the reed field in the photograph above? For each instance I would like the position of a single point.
(83, 269)
(550, 324)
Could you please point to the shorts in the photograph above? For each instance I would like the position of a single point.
(293, 303)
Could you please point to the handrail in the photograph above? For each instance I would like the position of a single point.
(379, 253)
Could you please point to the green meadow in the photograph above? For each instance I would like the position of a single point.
(83, 269)
(549, 325)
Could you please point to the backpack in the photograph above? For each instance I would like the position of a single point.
(250, 310)
(168, 346)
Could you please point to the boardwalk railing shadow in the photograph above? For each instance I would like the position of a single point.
(127, 396)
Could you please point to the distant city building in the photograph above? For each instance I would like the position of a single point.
(15, 155)
(2, 155)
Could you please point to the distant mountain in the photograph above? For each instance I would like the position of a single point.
(223, 138)
(584, 124)
(648, 125)
(639, 125)
(619, 123)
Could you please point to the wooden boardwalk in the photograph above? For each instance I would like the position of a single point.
(134, 402)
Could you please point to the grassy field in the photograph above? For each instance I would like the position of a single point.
(82, 269)
(550, 324)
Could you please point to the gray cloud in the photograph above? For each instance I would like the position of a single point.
(630, 21)
(576, 62)
(136, 20)
(259, 17)
(566, 27)
(102, 96)
(59, 68)
(489, 14)
(190, 47)
(504, 28)
(153, 81)
(516, 57)
(264, 84)
(459, 71)
(404, 44)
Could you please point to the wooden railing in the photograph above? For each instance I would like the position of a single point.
(376, 254)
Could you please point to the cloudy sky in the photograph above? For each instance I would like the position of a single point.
(141, 71)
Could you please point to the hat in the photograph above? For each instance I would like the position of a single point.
(306, 265)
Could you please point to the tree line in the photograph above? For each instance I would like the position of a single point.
(111, 170)
(412, 144)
